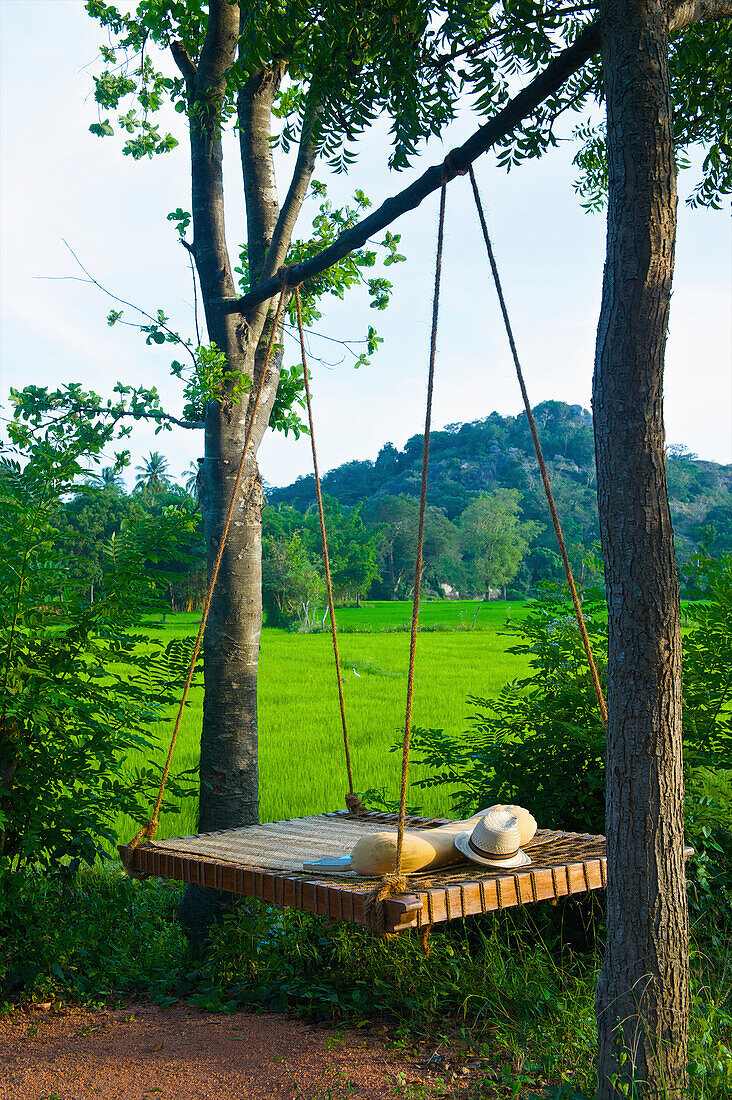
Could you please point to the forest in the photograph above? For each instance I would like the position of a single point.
(487, 529)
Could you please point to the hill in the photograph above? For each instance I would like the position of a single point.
(496, 452)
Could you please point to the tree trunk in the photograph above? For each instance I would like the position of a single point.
(642, 994)
(229, 786)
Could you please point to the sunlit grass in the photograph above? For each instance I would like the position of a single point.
(302, 769)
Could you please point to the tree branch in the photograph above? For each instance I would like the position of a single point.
(301, 176)
(116, 414)
(686, 12)
(183, 60)
(207, 189)
(219, 46)
(516, 110)
(254, 111)
(175, 337)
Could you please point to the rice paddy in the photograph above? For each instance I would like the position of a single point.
(300, 740)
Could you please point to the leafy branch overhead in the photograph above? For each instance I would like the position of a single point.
(413, 63)
(206, 376)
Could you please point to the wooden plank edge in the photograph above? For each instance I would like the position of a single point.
(402, 912)
(467, 899)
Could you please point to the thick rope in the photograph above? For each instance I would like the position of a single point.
(420, 533)
(374, 916)
(396, 882)
(150, 828)
(540, 458)
(353, 802)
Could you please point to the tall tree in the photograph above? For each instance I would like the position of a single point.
(112, 479)
(643, 992)
(326, 71)
(351, 548)
(396, 520)
(153, 473)
(493, 535)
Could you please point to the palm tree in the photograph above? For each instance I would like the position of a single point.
(190, 476)
(106, 478)
(111, 479)
(152, 474)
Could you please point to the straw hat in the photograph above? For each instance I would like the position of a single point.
(526, 820)
(495, 841)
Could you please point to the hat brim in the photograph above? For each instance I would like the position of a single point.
(462, 845)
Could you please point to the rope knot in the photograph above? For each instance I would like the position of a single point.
(354, 804)
(373, 904)
(146, 833)
(283, 277)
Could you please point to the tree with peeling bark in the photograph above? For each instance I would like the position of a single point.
(326, 71)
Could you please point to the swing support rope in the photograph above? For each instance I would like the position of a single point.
(353, 802)
(602, 706)
(150, 828)
(399, 882)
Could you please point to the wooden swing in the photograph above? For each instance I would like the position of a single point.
(266, 861)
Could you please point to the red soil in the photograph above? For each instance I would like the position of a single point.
(179, 1053)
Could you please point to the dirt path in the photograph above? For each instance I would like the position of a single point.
(146, 1053)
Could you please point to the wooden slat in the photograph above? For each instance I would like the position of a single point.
(333, 900)
(508, 891)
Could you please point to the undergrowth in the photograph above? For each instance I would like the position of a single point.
(513, 990)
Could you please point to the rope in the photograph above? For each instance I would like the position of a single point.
(420, 533)
(374, 916)
(150, 828)
(396, 883)
(353, 802)
(540, 458)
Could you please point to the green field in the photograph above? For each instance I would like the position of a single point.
(301, 750)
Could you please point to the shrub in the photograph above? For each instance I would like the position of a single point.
(69, 712)
(541, 742)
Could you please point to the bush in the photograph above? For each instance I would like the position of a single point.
(97, 935)
(69, 712)
(541, 742)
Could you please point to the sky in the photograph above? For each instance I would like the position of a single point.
(59, 183)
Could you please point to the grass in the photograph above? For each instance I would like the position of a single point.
(378, 615)
(300, 740)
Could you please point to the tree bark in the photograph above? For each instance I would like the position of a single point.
(642, 993)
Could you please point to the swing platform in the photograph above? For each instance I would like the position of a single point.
(265, 862)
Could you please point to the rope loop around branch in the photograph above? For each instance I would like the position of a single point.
(283, 277)
(449, 165)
